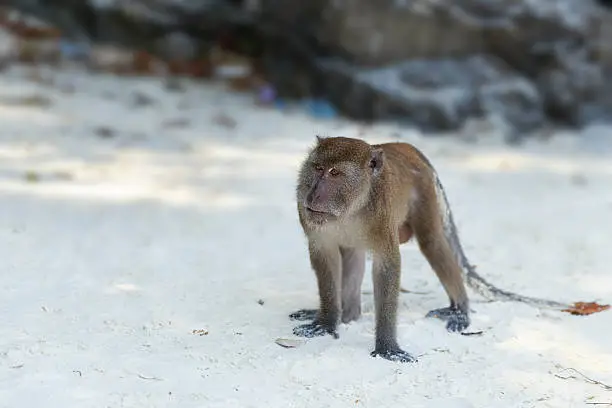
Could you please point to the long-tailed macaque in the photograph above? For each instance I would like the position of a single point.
(354, 197)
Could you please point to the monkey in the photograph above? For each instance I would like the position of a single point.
(354, 197)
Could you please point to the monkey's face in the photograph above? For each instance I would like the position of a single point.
(334, 182)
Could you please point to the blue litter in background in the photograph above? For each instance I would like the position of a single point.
(280, 104)
(73, 50)
(266, 94)
(320, 108)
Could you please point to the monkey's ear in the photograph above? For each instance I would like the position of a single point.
(376, 159)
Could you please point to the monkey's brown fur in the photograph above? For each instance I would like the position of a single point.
(354, 197)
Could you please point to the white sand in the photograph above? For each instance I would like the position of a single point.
(166, 230)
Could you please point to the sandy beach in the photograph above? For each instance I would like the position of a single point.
(151, 254)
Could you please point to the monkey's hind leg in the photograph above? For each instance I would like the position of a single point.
(438, 252)
(456, 319)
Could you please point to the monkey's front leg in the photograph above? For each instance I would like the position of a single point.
(325, 261)
(386, 275)
(353, 269)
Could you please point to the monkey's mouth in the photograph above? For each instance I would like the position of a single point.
(319, 216)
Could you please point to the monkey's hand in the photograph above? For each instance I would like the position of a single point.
(456, 319)
(394, 354)
(304, 314)
(315, 329)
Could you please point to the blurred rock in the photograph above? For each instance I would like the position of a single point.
(177, 46)
(432, 63)
(438, 94)
(110, 58)
(551, 45)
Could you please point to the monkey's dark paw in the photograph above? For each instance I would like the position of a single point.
(304, 314)
(397, 355)
(315, 330)
(458, 323)
(456, 319)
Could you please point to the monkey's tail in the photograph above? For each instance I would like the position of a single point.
(474, 280)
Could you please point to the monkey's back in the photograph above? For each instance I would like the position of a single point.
(401, 153)
(411, 172)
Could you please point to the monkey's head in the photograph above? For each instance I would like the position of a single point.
(336, 179)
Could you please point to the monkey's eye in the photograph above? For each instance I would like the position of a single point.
(334, 172)
(319, 169)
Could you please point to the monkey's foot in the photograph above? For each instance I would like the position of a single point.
(456, 319)
(397, 355)
(315, 329)
(304, 314)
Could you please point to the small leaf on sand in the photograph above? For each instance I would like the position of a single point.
(201, 332)
(585, 308)
(63, 175)
(33, 101)
(476, 333)
(176, 123)
(104, 132)
(224, 121)
(32, 176)
(288, 343)
(578, 179)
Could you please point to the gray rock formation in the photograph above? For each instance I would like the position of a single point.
(552, 47)
(438, 94)
(433, 63)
